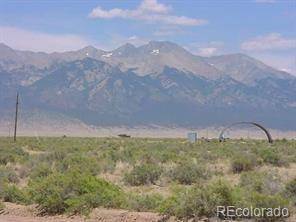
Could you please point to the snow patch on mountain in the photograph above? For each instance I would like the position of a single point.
(108, 55)
(155, 52)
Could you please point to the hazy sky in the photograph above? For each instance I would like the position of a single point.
(265, 29)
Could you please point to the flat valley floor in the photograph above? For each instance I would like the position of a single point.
(141, 179)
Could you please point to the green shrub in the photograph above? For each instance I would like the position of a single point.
(81, 163)
(8, 175)
(13, 194)
(222, 191)
(11, 154)
(253, 181)
(188, 173)
(291, 187)
(271, 156)
(149, 202)
(1, 206)
(290, 190)
(108, 158)
(3, 184)
(198, 201)
(107, 165)
(63, 176)
(5, 158)
(243, 162)
(74, 192)
(143, 174)
(263, 182)
(246, 198)
(258, 200)
(57, 155)
(41, 171)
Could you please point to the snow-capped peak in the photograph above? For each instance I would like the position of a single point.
(155, 51)
(107, 55)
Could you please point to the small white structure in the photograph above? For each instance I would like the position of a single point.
(192, 137)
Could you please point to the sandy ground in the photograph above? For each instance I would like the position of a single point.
(142, 131)
(36, 123)
(19, 213)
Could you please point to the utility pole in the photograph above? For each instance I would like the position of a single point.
(16, 115)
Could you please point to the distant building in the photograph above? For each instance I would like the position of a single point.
(192, 137)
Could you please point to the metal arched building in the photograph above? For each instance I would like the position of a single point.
(268, 135)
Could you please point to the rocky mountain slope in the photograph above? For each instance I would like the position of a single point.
(158, 83)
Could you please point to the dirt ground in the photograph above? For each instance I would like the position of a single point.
(19, 213)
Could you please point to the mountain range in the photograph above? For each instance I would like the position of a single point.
(158, 83)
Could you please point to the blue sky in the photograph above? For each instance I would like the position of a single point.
(264, 29)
